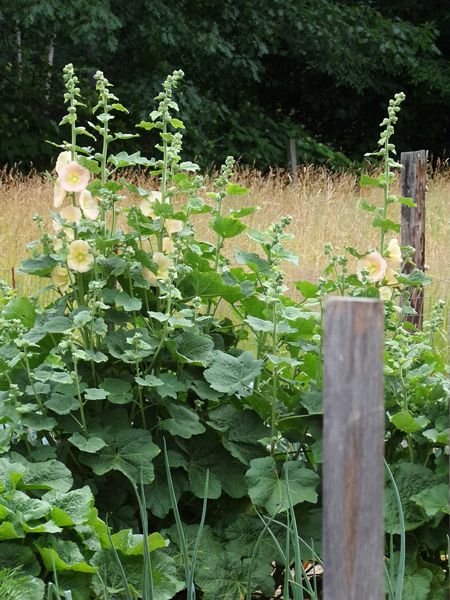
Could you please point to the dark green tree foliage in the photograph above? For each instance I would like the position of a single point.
(257, 73)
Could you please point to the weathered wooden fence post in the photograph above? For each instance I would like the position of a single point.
(292, 159)
(413, 181)
(353, 532)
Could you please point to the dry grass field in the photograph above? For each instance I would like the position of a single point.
(324, 207)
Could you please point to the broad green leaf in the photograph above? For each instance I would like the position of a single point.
(63, 555)
(128, 303)
(38, 422)
(366, 180)
(417, 585)
(416, 278)
(307, 289)
(183, 421)
(95, 394)
(48, 475)
(119, 391)
(227, 227)
(63, 399)
(171, 387)
(404, 421)
(434, 500)
(194, 348)
(386, 224)
(253, 261)
(208, 285)
(20, 308)
(26, 508)
(157, 496)
(406, 201)
(129, 451)
(10, 531)
(241, 431)
(233, 374)
(234, 189)
(411, 479)
(14, 555)
(268, 489)
(40, 266)
(91, 444)
(132, 544)
(71, 508)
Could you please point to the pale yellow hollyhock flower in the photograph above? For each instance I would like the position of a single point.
(80, 257)
(67, 231)
(73, 177)
(63, 159)
(173, 226)
(163, 263)
(89, 205)
(146, 206)
(393, 254)
(58, 195)
(60, 278)
(375, 264)
(71, 214)
(386, 293)
(167, 245)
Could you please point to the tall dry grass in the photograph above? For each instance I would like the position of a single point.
(324, 207)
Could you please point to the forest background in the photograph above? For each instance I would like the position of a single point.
(257, 73)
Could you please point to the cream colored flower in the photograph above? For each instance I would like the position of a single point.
(163, 263)
(58, 195)
(73, 177)
(167, 245)
(173, 226)
(386, 293)
(393, 254)
(391, 276)
(89, 205)
(60, 278)
(71, 214)
(63, 159)
(374, 264)
(80, 256)
(146, 205)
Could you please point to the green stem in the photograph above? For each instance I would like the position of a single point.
(385, 190)
(80, 401)
(273, 421)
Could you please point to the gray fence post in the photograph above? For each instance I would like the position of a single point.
(413, 181)
(353, 482)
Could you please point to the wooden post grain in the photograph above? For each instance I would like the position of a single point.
(413, 181)
(353, 484)
(292, 159)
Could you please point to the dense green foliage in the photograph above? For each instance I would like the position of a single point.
(316, 70)
(162, 373)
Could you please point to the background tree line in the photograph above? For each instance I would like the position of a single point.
(257, 73)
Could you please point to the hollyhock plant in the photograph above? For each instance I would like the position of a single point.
(73, 177)
(80, 257)
(374, 264)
